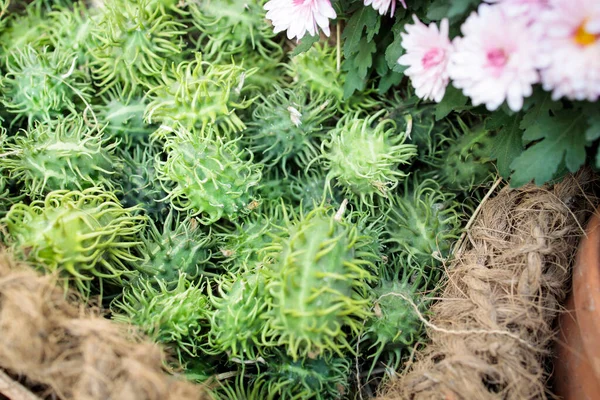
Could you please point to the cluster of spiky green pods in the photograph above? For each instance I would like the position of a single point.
(84, 235)
(224, 194)
(206, 175)
(367, 159)
(61, 154)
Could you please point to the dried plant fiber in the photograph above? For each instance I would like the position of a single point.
(491, 330)
(70, 351)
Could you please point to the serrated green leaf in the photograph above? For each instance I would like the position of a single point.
(507, 144)
(364, 18)
(561, 138)
(593, 118)
(305, 44)
(453, 100)
(353, 81)
(364, 58)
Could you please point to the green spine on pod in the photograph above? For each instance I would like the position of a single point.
(230, 28)
(195, 94)
(132, 42)
(423, 223)
(395, 325)
(3, 11)
(365, 159)
(317, 285)
(287, 125)
(84, 235)
(70, 29)
(176, 317)
(238, 323)
(139, 183)
(206, 174)
(61, 154)
(40, 84)
(181, 248)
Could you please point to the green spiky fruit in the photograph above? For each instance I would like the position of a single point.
(233, 28)
(366, 159)
(317, 285)
(84, 235)
(180, 248)
(23, 30)
(423, 223)
(133, 42)
(197, 93)
(207, 176)
(175, 317)
(70, 29)
(395, 326)
(238, 321)
(61, 154)
(3, 11)
(40, 84)
(139, 183)
(463, 161)
(287, 126)
(323, 378)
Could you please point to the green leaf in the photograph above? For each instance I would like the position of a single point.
(364, 58)
(438, 10)
(507, 144)
(395, 49)
(353, 80)
(542, 106)
(561, 138)
(453, 100)
(460, 7)
(593, 118)
(305, 44)
(364, 18)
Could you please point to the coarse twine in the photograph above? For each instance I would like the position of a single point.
(491, 331)
(66, 350)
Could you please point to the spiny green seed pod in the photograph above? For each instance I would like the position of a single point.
(85, 235)
(3, 11)
(139, 183)
(70, 29)
(323, 378)
(174, 317)
(40, 84)
(242, 247)
(234, 28)
(237, 322)
(423, 223)
(395, 325)
(133, 43)
(22, 30)
(197, 93)
(287, 126)
(462, 162)
(365, 159)
(317, 285)
(181, 248)
(61, 154)
(207, 176)
(124, 117)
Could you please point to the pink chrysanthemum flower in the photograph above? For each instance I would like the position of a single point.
(427, 52)
(571, 41)
(300, 16)
(383, 6)
(530, 9)
(496, 60)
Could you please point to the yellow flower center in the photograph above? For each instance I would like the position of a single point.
(583, 37)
